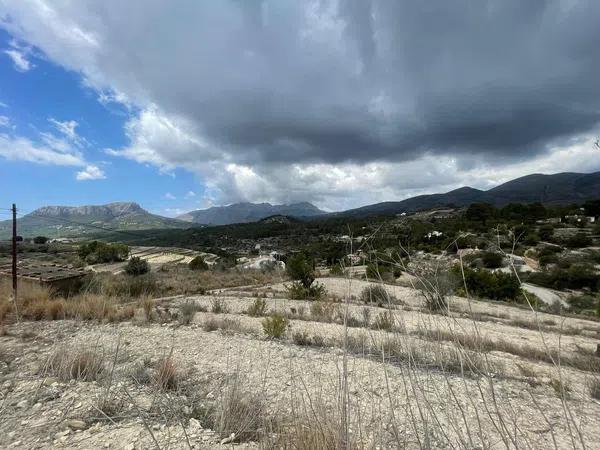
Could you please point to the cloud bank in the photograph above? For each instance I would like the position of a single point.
(341, 102)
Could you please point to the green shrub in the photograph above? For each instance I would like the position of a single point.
(578, 241)
(577, 276)
(96, 252)
(336, 270)
(492, 260)
(198, 263)
(546, 232)
(137, 266)
(297, 291)
(275, 326)
(383, 271)
(580, 303)
(300, 269)
(493, 285)
(258, 308)
(376, 294)
(40, 240)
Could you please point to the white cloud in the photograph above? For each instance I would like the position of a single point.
(68, 129)
(90, 172)
(3, 105)
(23, 149)
(49, 149)
(190, 194)
(19, 55)
(169, 196)
(19, 60)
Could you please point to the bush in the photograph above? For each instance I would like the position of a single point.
(198, 263)
(137, 266)
(297, 291)
(187, 311)
(546, 232)
(84, 365)
(275, 326)
(578, 276)
(382, 271)
(258, 308)
(578, 241)
(40, 240)
(298, 268)
(435, 289)
(100, 252)
(376, 294)
(336, 270)
(384, 321)
(580, 303)
(493, 285)
(492, 260)
(324, 311)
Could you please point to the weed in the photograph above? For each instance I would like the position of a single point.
(187, 311)
(84, 365)
(218, 306)
(275, 326)
(258, 308)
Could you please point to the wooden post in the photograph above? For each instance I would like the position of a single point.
(14, 258)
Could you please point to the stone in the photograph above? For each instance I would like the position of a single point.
(229, 439)
(22, 404)
(76, 424)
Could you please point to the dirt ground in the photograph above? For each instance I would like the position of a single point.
(512, 399)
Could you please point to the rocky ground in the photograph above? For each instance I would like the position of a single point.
(479, 377)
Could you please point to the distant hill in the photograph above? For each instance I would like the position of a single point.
(248, 212)
(558, 189)
(71, 221)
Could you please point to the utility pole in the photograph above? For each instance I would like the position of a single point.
(14, 258)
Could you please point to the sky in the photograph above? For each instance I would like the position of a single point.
(187, 104)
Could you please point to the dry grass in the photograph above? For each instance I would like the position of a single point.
(315, 428)
(239, 413)
(75, 364)
(594, 388)
(218, 306)
(166, 377)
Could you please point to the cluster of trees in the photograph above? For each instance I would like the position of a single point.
(100, 252)
(487, 284)
(300, 269)
(577, 276)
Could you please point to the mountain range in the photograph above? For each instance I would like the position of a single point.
(558, 189)
(249, 212)
(61, 221)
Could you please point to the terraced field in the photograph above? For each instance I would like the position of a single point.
(200, 372)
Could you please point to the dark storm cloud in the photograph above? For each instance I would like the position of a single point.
(354, 80)
(493, 78)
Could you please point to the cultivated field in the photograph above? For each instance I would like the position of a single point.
(200, 372)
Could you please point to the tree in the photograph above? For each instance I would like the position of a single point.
(300, 269)
(40, 240)
(492, 260)
(480, 212)
(198, 263)
(137, 266)
(546, 232)
(578, 241)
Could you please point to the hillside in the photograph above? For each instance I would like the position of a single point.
(67, 221)
(557, 189)
(248, 212)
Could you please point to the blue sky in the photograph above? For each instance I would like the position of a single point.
(32, 99)
(335, 102)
